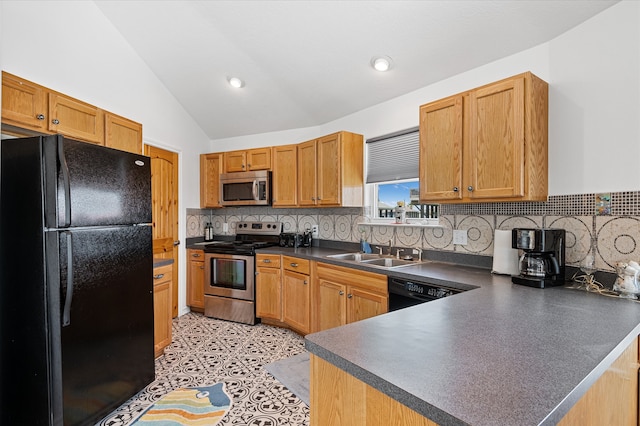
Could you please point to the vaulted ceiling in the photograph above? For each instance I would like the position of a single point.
(306, 63)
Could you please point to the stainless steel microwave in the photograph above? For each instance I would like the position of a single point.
(246, 188)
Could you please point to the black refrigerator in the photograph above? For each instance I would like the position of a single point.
(76, 290)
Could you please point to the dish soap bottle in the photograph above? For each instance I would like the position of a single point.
(364, 245)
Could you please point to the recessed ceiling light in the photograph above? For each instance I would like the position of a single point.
(235, 82)
(381, 63)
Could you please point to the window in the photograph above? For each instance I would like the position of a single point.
(392, 176)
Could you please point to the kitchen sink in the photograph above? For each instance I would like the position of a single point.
(389, 262)
(376, 260)
(358, 257)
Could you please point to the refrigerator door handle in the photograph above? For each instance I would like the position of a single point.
(67, 186)
(66, 312)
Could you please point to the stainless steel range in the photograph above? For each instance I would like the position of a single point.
(229, 290)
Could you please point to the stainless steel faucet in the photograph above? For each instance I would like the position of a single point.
(419, 253)
(389, 247)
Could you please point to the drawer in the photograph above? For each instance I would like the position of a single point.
(195, 255)
(295, 264)
(267, 260)
(162, 274)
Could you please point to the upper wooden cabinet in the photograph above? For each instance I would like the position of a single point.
(28, 109)
(488, 144)
(210, 168)
(75, 119)
(24, 104)
(247, 160)
(331, 171)
(284, 180)
(122, 133)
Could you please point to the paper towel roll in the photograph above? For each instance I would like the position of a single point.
(505, 258)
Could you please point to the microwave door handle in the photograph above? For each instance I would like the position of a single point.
(255, 189)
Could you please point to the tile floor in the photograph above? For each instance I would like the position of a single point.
(206, 351)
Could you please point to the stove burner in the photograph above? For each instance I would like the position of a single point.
(255, 235)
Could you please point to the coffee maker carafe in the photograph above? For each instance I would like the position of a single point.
(542, 261)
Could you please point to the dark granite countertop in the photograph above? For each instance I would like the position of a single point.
(162, 262)
(497, 354)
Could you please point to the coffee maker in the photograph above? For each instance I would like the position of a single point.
(542, 261)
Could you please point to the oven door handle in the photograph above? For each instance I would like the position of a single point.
(255, 189)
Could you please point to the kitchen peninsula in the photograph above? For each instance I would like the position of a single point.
(499, 354)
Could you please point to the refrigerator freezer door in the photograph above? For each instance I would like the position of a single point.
(90, 185)
(105, 317)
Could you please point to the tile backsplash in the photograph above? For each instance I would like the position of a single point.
(612, 237)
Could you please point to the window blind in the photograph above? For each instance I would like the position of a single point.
(393, 156)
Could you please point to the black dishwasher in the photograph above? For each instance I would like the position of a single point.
(404, 292)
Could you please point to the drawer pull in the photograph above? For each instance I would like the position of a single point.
(266, 260)
(295, 265)
(158, 276)
(195, 255)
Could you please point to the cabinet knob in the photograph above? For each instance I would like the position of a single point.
(158, 276)
(305, 282)
(55, 121)
(248, 165)
(202, 267)
(40, 116)
(470, 188)
(455, 189)
(349, 295)
(341, 293)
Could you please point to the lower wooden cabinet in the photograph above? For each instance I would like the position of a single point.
(195, 280)
(613, 398)
(268, 287)
(345, 295)
(337, 398)
(162, 308)
(296, 293)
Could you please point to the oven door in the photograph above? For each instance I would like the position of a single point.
(229, 275)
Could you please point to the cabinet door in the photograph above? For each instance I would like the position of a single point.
(75, 119)
(235, 161)
(307, 173)
(285, 171)
(269, 293)
(195, 279)
(259, 159)
(332, 305)
(496, 140)
(122, 133)
(162, 308)
(210, 169)
(24, 104)
(328, 167)
(364, 304)
(296, 301)
(441, 150)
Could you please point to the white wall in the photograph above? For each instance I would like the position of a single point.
(594, 104)
(72, 48)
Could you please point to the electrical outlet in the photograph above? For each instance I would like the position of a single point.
(225, 227)
(315, 232)
(460, 237)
